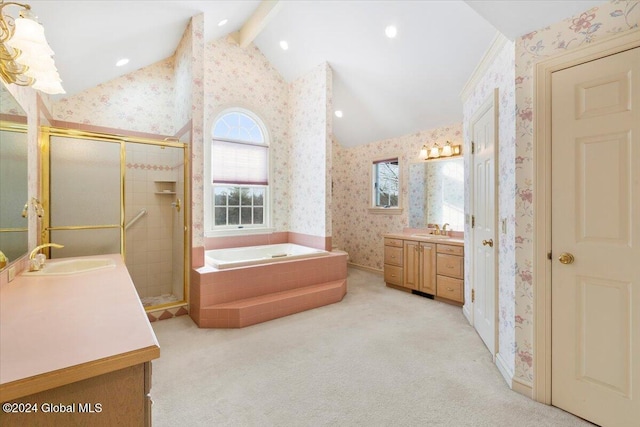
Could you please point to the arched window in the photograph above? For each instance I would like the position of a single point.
(239, 172)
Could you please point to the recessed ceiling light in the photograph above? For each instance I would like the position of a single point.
(284, 45)
(391, 31)
(221, 23)
(122, 61)
(339, 113)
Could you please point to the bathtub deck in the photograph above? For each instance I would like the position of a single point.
(249, 311)
(238, 297)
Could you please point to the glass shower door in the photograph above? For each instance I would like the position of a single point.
(85, 196)
(155, 223)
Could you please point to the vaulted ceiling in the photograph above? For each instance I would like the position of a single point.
(385, 87)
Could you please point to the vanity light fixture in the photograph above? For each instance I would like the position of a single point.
(25, 56)
(436, 152)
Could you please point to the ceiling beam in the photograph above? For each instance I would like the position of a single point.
(265, 11)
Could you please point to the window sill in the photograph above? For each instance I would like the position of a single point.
(386, 211)
(238, 232)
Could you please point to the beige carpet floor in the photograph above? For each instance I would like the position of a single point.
(381, 357)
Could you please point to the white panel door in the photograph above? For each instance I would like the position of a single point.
(483, 134)
(596, 220)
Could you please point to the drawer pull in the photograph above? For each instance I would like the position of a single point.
(450, 266)
(393, 275)
(449, 289)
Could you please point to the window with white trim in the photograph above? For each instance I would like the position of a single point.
(239, 172)
(386, 183)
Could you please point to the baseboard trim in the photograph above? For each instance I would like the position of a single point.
(525, 388)
(365, 268)
(507, 374)
(467, 313)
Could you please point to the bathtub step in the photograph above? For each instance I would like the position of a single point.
(249, 311)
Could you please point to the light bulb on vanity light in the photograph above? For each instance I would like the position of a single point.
(424, 153)
(446, 150)
(434, 153)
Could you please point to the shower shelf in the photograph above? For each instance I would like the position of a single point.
(165, 187)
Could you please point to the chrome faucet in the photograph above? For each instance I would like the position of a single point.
(444, 229)
(36, 261)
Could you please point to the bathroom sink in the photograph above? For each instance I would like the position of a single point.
(72, 266)
(431, 236)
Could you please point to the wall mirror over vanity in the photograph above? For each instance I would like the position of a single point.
(13, 179)
(422, 263)
(436, 193)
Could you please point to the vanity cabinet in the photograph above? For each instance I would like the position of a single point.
(426, 266)
(450, 268)
(420, 263)
(393, 261)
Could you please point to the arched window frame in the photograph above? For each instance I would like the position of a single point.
(211, 229)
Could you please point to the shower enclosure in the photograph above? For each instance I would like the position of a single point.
(115, 194)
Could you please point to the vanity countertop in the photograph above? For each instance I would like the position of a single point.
(424, 237)
(55, 330)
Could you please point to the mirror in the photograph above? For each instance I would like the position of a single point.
(436, 193)
(13, 178)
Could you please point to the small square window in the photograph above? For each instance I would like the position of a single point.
(386, 183)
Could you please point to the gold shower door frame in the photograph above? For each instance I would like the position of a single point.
(46, 132)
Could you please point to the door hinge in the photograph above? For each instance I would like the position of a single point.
(473, 295)
(549, 255)
(473, 147)
(473, 221)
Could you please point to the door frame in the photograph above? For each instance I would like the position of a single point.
(542, 200)
(492, 100)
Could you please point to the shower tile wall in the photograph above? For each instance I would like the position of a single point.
(149, 245)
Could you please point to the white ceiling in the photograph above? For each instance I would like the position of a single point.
(386, 87)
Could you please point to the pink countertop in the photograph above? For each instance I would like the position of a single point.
(426, 238)
(59, 329)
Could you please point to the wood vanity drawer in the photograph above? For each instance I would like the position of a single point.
(393, 255)
(393, 275)
(450, 265)
(393, 242)
(450, 288)
(450, 249)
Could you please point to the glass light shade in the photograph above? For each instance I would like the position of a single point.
(434, 152)
(33, 48)
(37, 63)
(51, 87)
(30, 30)
(424, 153)
(446, 150)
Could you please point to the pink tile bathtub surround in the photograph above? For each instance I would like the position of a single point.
(239, 297)
(248, 240)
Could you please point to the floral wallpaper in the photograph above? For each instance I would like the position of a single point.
(355, 230)
(237, 77)
(309, 100)
(197, 78)
(594, 24)
(500, 75)
(141, 101)
(182, 79)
